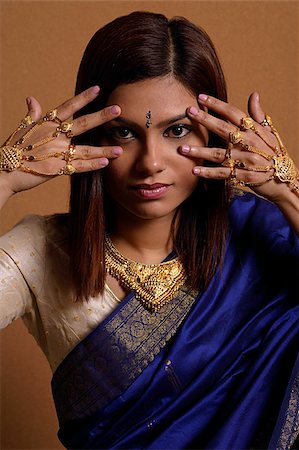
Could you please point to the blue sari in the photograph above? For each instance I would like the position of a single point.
(215, 370)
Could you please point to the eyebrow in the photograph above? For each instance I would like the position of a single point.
(164, 123)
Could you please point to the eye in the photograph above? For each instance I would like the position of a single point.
(177, 131)
(120, 133)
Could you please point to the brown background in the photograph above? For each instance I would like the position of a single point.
(42, 43)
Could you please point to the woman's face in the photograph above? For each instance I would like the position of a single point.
(151, 178)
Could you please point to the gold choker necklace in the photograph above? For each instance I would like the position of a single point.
(154, 284)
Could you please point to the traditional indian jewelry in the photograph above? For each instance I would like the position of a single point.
(69, 154)
(12, 157)
(236, 137)
(68, 169)
(247, 123)
(284, 169)
(267, 121)
(148, 119)
(52, 116)
(64, 127)
(154, 284)
(257, 151)
(25, 122)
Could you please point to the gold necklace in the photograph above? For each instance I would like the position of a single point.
(154, 284)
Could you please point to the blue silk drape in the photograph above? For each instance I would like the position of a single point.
(212, 377)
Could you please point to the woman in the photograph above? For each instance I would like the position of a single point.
(198, 351)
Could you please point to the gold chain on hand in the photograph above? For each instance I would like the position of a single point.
(284, 169)
(12, 156)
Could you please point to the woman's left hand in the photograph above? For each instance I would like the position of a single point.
(252, 150)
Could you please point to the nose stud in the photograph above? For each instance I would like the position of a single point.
(148, 119)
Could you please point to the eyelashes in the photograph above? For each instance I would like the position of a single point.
(176, 131)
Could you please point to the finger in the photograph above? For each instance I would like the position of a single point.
(34, 108)
(88, 152)
(216, 155)
(219, 155)
(218, 126)
(226, 110)
(254, 107)
(223, 173)
(74, 104)
(89, 121)
(90, 165)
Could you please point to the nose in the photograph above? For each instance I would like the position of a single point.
(151, 158)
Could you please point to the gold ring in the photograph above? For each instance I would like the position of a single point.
(235, 137)
(247, 123)
(51, 115)
(69, 154)
(68, 169)
(267, 121)
(65, 127)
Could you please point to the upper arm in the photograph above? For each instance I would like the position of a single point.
(15, 295)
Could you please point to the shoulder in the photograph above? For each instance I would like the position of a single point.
(259, 222)
(248, 210)
(35, 233)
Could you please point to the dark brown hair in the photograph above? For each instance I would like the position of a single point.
(136, 47)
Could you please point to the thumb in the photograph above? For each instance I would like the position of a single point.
(254, 107)
(34, 108)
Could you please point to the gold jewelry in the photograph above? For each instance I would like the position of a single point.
(64, 127)
(52, 116)
(69, 154)
(12, 156)
(284, 169)
(27, 121)
(41, 157)
(69, 134)
(68, 169)
(250, 148)
(267, 121)
(236, 137)
(247, 123)
(154, 284)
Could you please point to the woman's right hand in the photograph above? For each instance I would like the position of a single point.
(86, 158)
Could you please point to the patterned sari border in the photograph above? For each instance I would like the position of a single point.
(107, 363)
(287, 427)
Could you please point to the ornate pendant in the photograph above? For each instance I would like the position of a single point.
(154, 284)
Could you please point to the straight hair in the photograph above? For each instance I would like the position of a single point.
(140, 46)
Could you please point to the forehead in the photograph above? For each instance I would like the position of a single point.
(164, 97)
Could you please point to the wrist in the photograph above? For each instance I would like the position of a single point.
(5, 191)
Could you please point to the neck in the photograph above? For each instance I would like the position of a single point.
(147, 241)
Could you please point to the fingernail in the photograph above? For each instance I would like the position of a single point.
(104, 162)
(194, 111)
(185, 149)
(95, 89)
(196, 170)
(28, 101)
(115, 109)
(117, 151)
(202, 97)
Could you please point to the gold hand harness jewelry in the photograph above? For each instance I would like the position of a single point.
(283, 167)
(12, 156)
(154, 284)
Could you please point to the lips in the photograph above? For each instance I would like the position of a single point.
(150, 191)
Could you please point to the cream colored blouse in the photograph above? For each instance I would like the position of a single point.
(35, 285)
